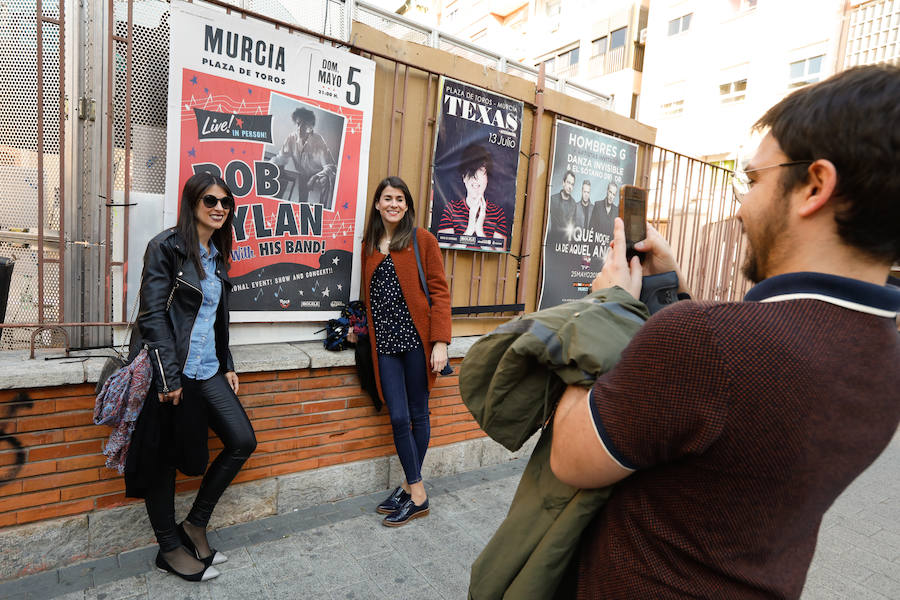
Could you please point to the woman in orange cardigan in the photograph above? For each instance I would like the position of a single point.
(409, 338)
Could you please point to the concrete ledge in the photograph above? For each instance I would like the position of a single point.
(55, 543)
(17, 371)
(269, 357)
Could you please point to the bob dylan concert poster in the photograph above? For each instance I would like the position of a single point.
(286, 124)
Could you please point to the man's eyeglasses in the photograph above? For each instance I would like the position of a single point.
(741, 183)
(210, 201)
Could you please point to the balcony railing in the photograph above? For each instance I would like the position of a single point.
(639, 57)
(567, 72)
(612, 61)
(615, 60)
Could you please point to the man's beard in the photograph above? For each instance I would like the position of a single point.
(762, 246)
(751, 268)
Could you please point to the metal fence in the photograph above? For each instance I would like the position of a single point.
(692, 203)
(83, 134)
(32, 167)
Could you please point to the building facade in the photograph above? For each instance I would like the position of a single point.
(713, 68)
(595, 45)
(871, 33)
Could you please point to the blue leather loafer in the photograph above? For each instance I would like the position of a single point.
(393, 502)
(407, 512)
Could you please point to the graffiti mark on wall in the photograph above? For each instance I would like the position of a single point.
(9, 443)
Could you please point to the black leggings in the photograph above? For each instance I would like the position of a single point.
(228, 419)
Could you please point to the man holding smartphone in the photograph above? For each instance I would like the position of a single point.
(732, 427)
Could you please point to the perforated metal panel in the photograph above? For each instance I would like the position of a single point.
(22, 175)
(391, 27)
(488, 61)
(150, 66)
(328, 17)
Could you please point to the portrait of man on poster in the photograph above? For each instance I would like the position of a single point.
(562, 208)
(584, 207)
(309, 161)
(603, 217)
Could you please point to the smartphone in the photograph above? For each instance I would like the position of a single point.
(633, 211)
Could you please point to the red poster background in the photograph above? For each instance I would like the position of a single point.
(210, 92)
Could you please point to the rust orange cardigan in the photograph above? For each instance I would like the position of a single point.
(432, 322)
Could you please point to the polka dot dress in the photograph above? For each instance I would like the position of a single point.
(394, 329)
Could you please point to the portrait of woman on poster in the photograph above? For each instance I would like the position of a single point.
(474, 215)
(408, 337)
(183, 324)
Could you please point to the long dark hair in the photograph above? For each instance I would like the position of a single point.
(194, 189)
(375, 227)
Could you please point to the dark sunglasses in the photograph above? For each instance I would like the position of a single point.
(210, 201)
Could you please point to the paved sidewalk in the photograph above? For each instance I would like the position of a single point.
(340, 550)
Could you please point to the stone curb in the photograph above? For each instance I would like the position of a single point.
(51, 367)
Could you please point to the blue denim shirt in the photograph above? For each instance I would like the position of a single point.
(202, 362)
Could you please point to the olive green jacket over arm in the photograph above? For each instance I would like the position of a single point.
(511, 380)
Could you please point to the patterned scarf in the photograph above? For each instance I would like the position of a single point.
(119, 404)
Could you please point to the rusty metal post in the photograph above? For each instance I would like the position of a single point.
(425, 171)
(721, 226)
(533, 157)
(127, 191)
(39, 16)
(61, 257)
(664, 161)
(696, 242)
(402, 112)
(110, 109)
(390, 147)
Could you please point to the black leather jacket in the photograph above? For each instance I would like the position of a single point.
(170, 300)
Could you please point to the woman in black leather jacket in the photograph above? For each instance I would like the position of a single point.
(183, 324)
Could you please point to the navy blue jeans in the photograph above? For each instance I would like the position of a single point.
(404, 384)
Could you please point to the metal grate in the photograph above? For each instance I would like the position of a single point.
(692, 204)
(21, 173)
(449, 46)
(390, 26)
(328, 17)
(148, 98)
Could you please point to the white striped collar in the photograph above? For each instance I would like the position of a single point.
(853, 294)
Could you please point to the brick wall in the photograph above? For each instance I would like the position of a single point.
(50, 452)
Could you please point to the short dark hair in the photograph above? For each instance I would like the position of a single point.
(586, 182)
(474, 156)
(853, 120)
(569, 173)
(303, 114)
